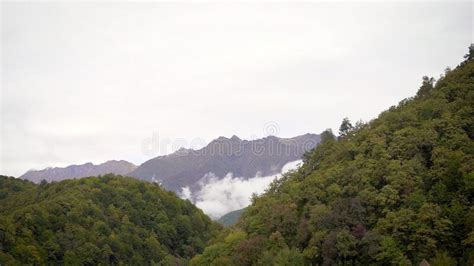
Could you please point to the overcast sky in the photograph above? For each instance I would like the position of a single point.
(86, 82)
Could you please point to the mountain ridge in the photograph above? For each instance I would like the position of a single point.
(242, 158)
(185, 167)
(119, 167)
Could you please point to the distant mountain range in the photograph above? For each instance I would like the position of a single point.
(242, 158)
(185, 167)
(77, 171)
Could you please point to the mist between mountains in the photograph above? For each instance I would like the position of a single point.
(234, 146)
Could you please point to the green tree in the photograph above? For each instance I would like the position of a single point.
(345, 127)
(427, 86)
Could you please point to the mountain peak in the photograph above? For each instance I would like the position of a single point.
(235, 138)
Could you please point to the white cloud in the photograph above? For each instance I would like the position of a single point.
(218, 196)
(186, 193)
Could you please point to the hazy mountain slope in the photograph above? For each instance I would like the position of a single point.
(111, 220)
(243, 158)
(230, 218)
(77, 171)
(395, 191)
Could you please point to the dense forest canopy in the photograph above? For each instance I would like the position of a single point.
(98, 220)
(397, 190)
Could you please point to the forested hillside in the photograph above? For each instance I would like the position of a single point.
(97, 220)
(396, 190)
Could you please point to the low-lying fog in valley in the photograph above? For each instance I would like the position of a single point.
(218, 196)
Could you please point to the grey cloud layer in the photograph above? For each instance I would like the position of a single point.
(90, 81)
